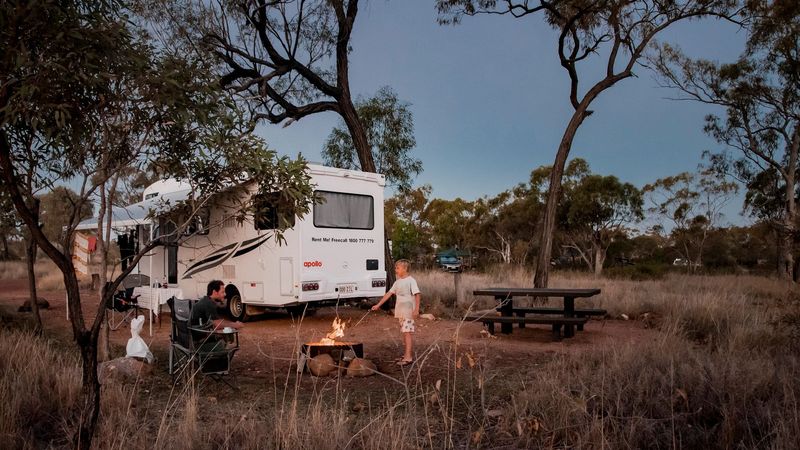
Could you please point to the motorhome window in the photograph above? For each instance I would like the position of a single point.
(266, 209)
(340, 210)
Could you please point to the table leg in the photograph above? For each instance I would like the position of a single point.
(556, 332)
(506, 310)
(569, 311)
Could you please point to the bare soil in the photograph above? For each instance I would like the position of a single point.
(269, 346)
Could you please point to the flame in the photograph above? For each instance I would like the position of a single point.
(337, 332)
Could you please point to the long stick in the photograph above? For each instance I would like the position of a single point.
(362, 318)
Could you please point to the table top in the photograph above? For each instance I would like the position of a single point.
(536, 292)
(217, 332)
(160, 295)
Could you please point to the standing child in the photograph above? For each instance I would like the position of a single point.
(406, 308)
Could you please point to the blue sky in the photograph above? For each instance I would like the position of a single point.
(490, 101)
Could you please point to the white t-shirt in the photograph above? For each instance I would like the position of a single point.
(405, 289)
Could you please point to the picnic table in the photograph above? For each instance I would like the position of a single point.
(567, 317)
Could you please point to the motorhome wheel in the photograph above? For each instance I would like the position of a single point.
(236, 308)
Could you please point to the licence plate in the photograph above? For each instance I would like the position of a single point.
(347, 288)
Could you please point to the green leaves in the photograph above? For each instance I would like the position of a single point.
(389, 126)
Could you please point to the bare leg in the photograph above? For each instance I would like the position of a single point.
(408, 340)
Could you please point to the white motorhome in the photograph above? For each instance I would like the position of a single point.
(336, 252)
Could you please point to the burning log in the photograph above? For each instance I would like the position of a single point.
(340, 351)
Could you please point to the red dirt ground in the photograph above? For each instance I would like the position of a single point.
(269, 343)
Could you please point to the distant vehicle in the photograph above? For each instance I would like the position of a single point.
(450, 264)
(624, 261)
(684, 263)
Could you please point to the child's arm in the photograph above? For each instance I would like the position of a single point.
(383, 300)
(417, 298)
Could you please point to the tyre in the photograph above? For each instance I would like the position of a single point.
(236, 309)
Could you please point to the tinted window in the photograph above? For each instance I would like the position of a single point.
(267, 210)
(340, 210)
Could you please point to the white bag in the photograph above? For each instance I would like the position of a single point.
(136, 346)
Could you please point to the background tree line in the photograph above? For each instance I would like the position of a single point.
(602, 222)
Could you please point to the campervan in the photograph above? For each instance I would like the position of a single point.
(334, 253)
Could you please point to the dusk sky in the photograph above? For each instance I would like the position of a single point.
(490, 101)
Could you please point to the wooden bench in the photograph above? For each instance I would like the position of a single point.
(585, 312)
(556, 322)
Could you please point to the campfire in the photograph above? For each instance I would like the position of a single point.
(339, 350)
(337, 332)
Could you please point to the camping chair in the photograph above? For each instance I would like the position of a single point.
(196, 348)
(122, 307)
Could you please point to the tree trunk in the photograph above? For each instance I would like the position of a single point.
(367, 163)
(542, 273)
(789, 226)
(31, 252)
(599, 260)
(6, 253)
(90, 393)
(389, 261)
(87, 341)
(103, 237)
(89, 404)
(785, 253)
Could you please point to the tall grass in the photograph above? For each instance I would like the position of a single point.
(721, 372)
(38, 388)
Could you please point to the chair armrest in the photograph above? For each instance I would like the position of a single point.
(201, 330)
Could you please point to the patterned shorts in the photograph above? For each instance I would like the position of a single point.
(407, 325)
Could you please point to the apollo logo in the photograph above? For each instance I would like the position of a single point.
(312, 264)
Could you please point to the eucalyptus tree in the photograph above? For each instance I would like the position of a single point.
(60, 65)
(760, 129)
(618, 33)
(284, 59)
(389, 125)
(692, 206)
(596, 212)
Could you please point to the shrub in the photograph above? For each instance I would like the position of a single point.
(638, 272)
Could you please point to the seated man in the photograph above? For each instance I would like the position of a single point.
(204, 315)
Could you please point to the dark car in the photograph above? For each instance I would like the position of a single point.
(450, 264)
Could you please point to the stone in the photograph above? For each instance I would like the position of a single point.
(427, 316)
(321, 365)
(494, 413)
(360, 367)
(359, 406)
(26, 307)
(123, 370)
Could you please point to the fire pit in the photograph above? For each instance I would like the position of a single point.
(337, 350)
(340, 351)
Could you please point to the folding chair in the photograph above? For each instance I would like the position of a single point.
(122, 307)
(199, 349)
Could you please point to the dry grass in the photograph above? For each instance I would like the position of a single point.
(723, 374)
(37, 398)
(48, 276)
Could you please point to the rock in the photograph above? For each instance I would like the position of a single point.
(650, 320)
(321, 365)
(26, 307)
(361, 368)
(358, 407)
(494, 413)
(123, 370)
(427, 316)
(625, 317)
